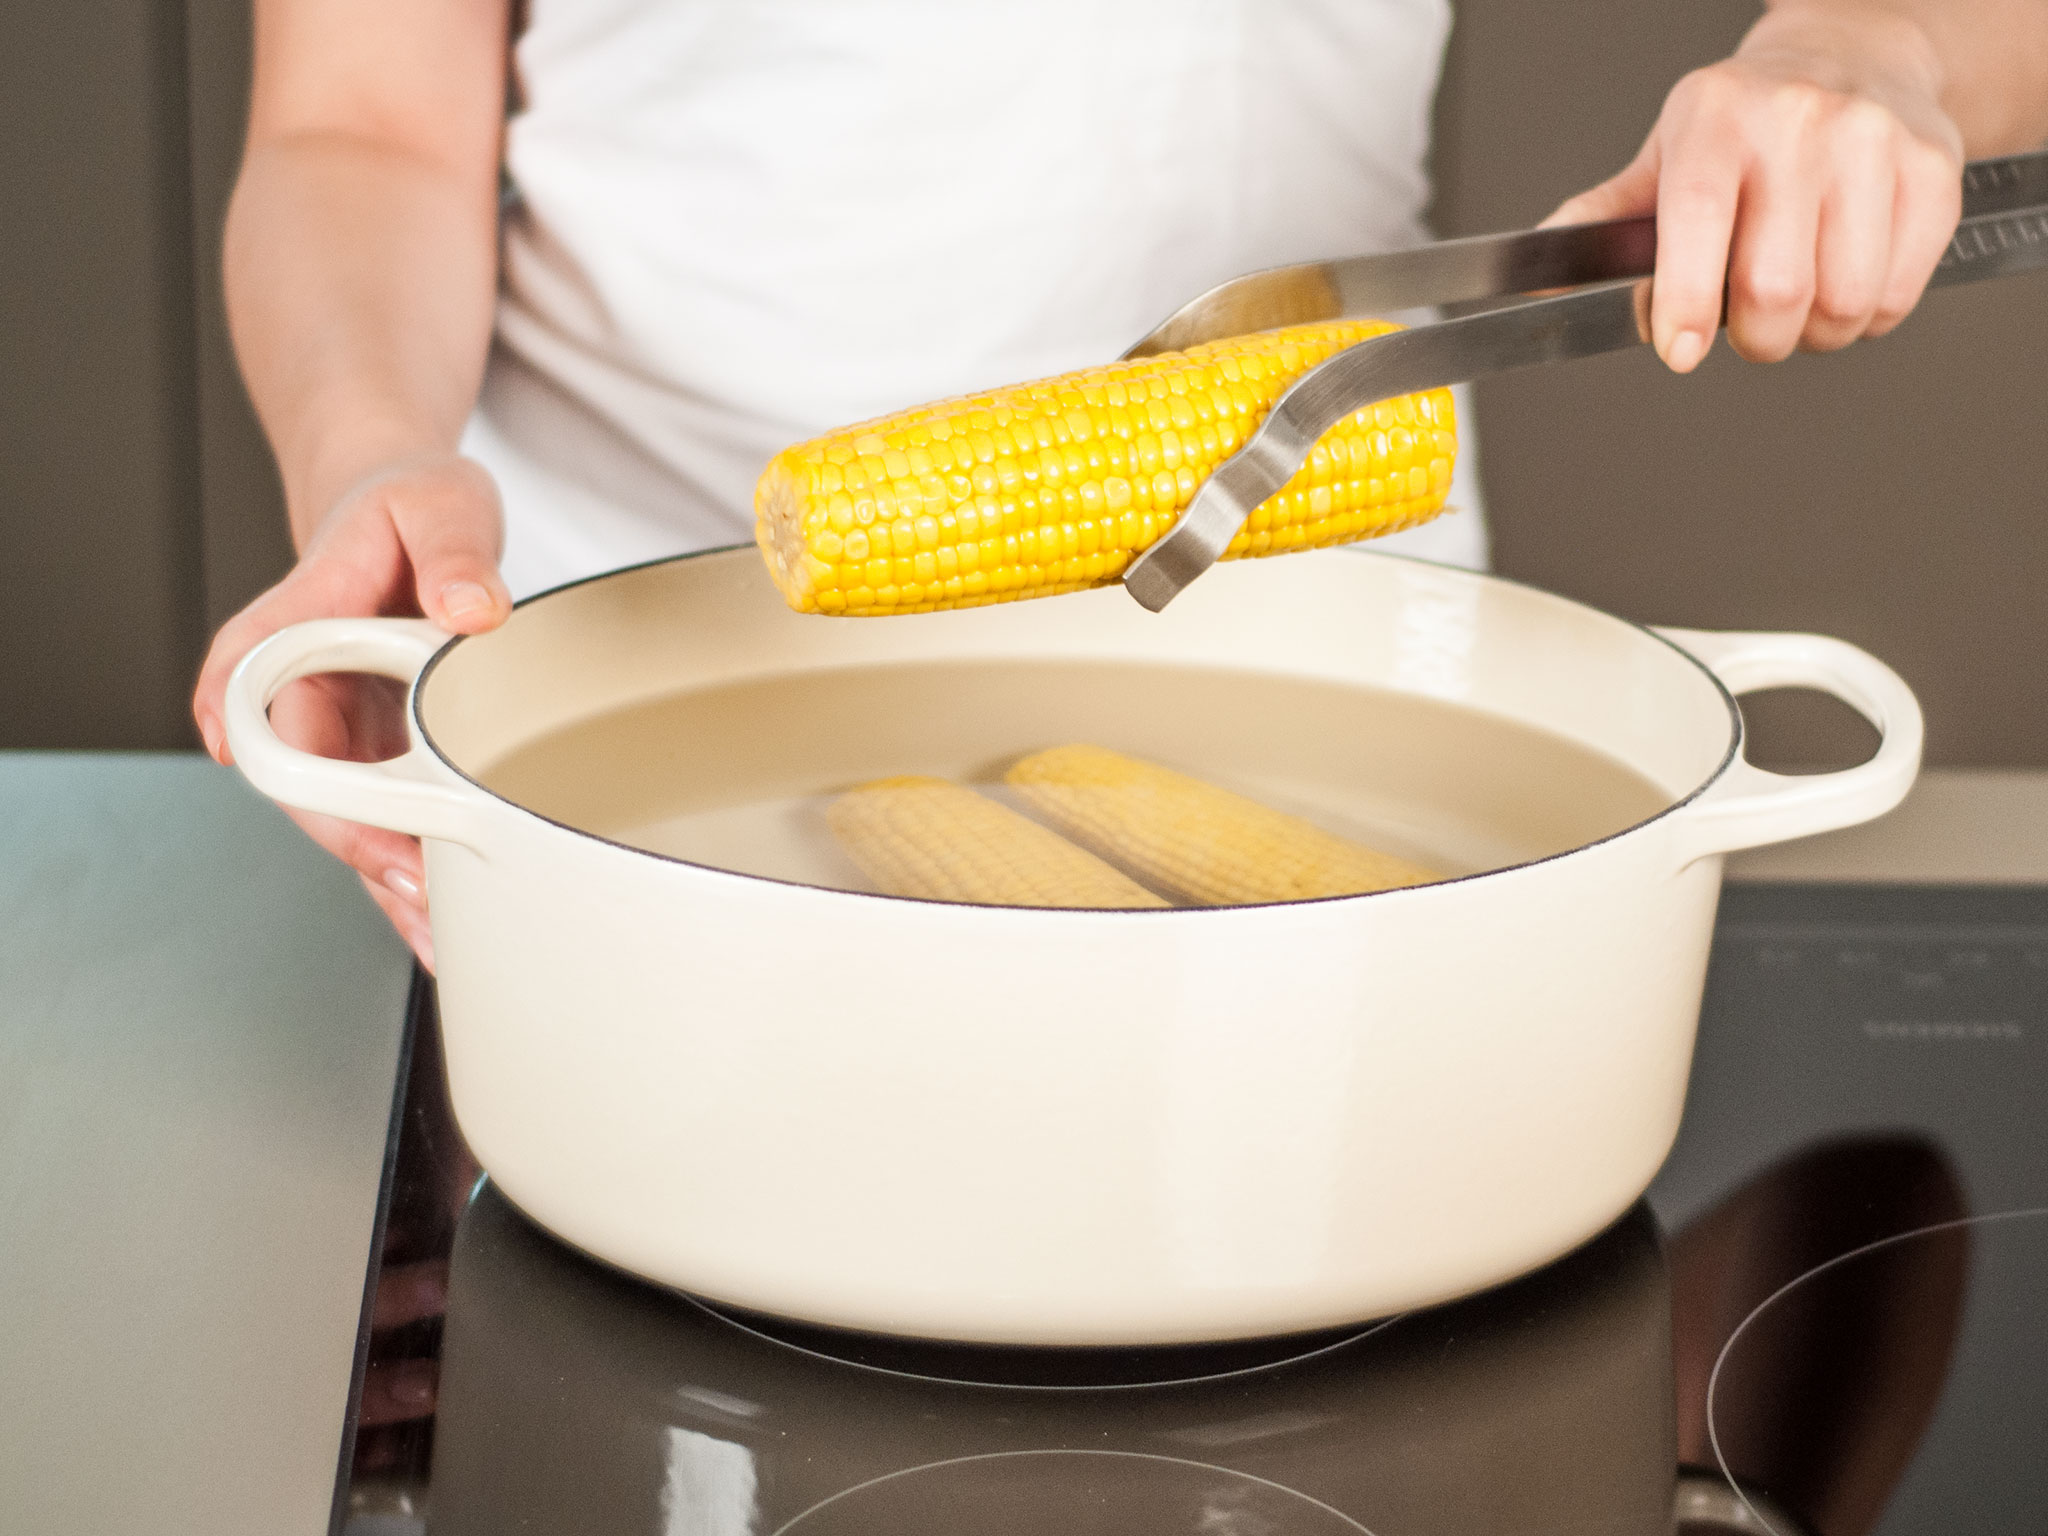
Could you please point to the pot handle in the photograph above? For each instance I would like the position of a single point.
(403, 794)
(1748, 807)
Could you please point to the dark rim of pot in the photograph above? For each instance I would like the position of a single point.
(1735, 741)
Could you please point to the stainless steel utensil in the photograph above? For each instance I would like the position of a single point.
(2004, 229)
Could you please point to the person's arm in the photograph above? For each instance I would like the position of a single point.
(361, 240)
(1815, 173)
(361, 270)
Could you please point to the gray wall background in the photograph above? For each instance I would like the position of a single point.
(138, 503)
(1890, 494)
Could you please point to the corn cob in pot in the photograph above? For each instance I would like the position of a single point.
(915, 836)
(1193, 841)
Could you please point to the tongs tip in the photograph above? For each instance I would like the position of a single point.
(1150, 585)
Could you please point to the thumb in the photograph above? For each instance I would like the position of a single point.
(1632, 191)
(452, 526)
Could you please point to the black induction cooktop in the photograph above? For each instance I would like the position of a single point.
(1828, 1318)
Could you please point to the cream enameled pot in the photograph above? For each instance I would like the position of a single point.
(1077, 1127)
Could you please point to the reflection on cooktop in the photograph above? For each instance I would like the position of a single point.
(574, 1398)
(1903, 1443)
(1828, 1405)
(1842, 1335)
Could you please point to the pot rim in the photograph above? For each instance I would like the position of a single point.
(1734, 749)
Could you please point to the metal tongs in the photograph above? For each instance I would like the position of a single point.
(2004, 229)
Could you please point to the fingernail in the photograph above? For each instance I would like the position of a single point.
(209, 733)
(461, 599)
(412, 1391)
(1687, 348)
(421, 1294)
(402, 885)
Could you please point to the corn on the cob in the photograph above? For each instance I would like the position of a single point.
(917, 836)
(1053, 486)
(1194, 841)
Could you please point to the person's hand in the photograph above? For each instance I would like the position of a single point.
(421, 536)
(1814, 173)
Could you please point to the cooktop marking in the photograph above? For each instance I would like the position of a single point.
(1276, 1363)
(1944, 1029)
(1171, 1461)
(1727, 1349)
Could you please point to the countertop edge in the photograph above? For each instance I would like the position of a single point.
(1959, 826)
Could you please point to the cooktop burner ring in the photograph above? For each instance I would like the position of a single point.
(1785, 1525)
(1305, 1514)
(769, 1331)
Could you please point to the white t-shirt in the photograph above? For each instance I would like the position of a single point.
(739, 223)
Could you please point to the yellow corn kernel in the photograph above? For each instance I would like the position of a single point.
(1058, 462)
(1193, 841)
(916, 836)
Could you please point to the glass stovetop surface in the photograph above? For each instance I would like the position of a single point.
(1828, 1318)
